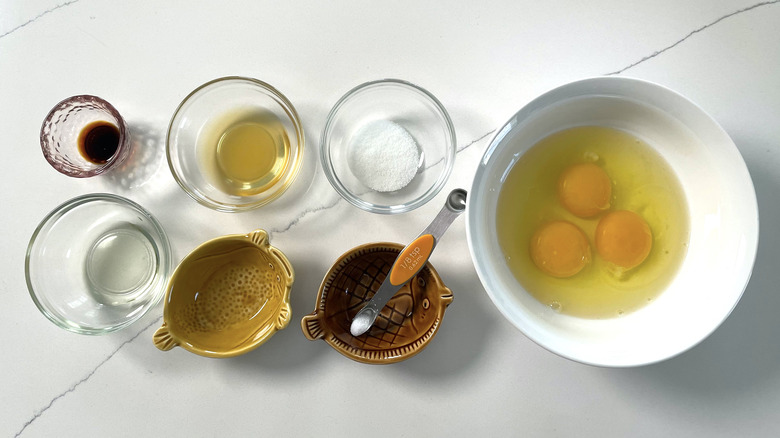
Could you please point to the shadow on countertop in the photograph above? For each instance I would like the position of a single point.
(146, 157)
(462, 339)
(742, 355)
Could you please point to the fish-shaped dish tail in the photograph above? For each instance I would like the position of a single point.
(163, 338)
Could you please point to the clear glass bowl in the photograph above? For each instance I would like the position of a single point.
(411, 107)
(209, 111)
(97, 263)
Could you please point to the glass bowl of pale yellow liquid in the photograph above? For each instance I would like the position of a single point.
(97, 263)
(235, 144)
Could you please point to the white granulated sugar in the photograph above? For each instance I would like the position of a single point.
(383, 156)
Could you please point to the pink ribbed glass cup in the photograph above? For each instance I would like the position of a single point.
(63, 125)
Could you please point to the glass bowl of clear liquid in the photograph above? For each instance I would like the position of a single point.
(97, 263)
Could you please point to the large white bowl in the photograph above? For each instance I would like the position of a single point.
(722, 208)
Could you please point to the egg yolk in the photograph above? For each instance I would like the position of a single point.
(623, 238)
(560, 249)
(584, 189)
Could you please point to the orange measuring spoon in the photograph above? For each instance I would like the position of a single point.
(409, 262)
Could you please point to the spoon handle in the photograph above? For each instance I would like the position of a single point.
(455, 205)
(413, 257)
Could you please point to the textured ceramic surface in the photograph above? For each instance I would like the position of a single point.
(227, 297)
(405, 325)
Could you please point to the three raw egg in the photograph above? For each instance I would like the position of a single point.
(592, 222)
(623, 238)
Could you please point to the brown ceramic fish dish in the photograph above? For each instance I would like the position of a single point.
(405, 325)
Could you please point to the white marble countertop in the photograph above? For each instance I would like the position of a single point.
(479, 376)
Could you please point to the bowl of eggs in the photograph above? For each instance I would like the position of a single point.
(613, 222)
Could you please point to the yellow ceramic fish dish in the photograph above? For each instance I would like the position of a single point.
(227, 297)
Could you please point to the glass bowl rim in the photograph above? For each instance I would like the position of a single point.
(449, 155)
(288, 108)
(54, 215)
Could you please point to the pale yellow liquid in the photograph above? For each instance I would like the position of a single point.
(245, 153)
(642, 182)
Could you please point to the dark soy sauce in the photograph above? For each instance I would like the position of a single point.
(98, 141)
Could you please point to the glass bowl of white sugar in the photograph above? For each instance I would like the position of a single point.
(388, 146)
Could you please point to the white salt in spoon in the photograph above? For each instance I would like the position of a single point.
(409, 262)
